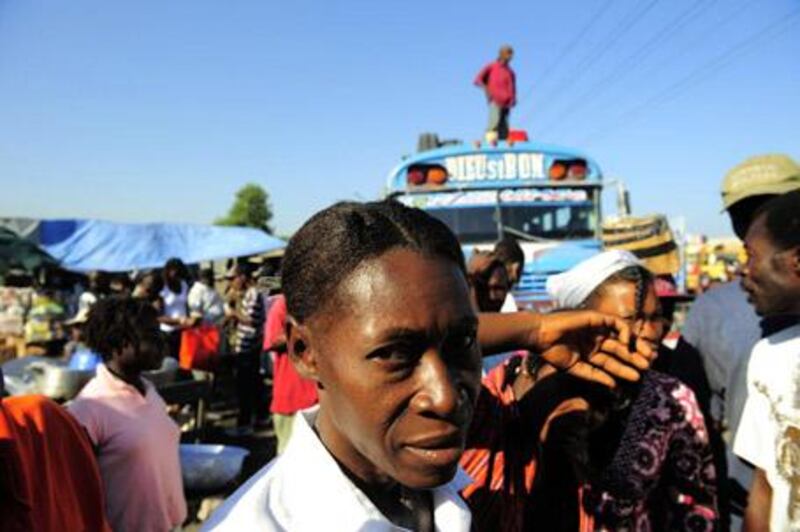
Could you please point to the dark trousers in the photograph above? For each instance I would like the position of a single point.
(248, 378)
(174, 343)
(498, 120)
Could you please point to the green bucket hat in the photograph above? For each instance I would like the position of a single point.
(760, 175)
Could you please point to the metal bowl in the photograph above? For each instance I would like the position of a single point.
(57, 381)
(13, 385)
(19, 380)
(163, 375)
(210, 468)
(46, 376)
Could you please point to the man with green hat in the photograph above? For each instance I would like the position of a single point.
(723, 327)
(751, 183)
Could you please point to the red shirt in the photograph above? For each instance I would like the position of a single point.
(290, 391)
(48, 475)
(500, 82)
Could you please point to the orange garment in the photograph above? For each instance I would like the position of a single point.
(501, 465)
(501, 470)
(199, 347)
(49, 479)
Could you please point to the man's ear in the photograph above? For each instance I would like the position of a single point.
(128, 349)
(300, 349)
(794, 261)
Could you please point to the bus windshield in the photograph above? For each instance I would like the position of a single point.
(557, 221)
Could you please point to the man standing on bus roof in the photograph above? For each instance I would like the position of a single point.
(499, 82)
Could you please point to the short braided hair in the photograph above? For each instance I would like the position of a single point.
(116, 321)
(336, 240)
(640, 276)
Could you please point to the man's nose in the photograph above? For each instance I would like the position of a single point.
(441, 394)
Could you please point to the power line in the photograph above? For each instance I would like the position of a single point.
(688, 49)
(772, 30)
(620, 31)
(591, 21)
(629, 64)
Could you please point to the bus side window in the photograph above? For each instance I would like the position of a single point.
(547, 221)
(563, 217)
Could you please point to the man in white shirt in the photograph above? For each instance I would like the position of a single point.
(722, 325)
(379, 317)
(769, 430)
(308, 473)
(205, 303)
(97, 287)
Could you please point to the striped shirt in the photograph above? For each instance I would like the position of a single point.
(501, 470)
(250, 336)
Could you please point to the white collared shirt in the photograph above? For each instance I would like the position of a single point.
(305, 490)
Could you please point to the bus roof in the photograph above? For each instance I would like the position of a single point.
(497, 165)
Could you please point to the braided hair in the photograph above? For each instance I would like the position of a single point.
(581, 445)
(336, 240)
(640, 276)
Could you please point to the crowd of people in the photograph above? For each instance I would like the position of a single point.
(409, 393)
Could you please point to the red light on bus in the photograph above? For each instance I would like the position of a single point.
(437, 175)
(426, 174)
(577, 170)
(415, 176)
(558, 171)
(517, 135)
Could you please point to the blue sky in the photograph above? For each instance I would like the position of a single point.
(159, 111)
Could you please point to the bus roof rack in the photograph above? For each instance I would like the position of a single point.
(431, 141)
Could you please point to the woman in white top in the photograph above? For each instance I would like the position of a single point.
(379, 315)
(174, 297)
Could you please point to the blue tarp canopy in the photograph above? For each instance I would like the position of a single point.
(87, 245)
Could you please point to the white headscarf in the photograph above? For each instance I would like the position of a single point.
(571, 288)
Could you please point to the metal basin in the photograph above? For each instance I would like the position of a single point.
(46, 376)
(17, 381)
(57, 381)
(210, 468)
(165, 374)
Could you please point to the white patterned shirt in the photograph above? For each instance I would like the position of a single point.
(769, 431)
